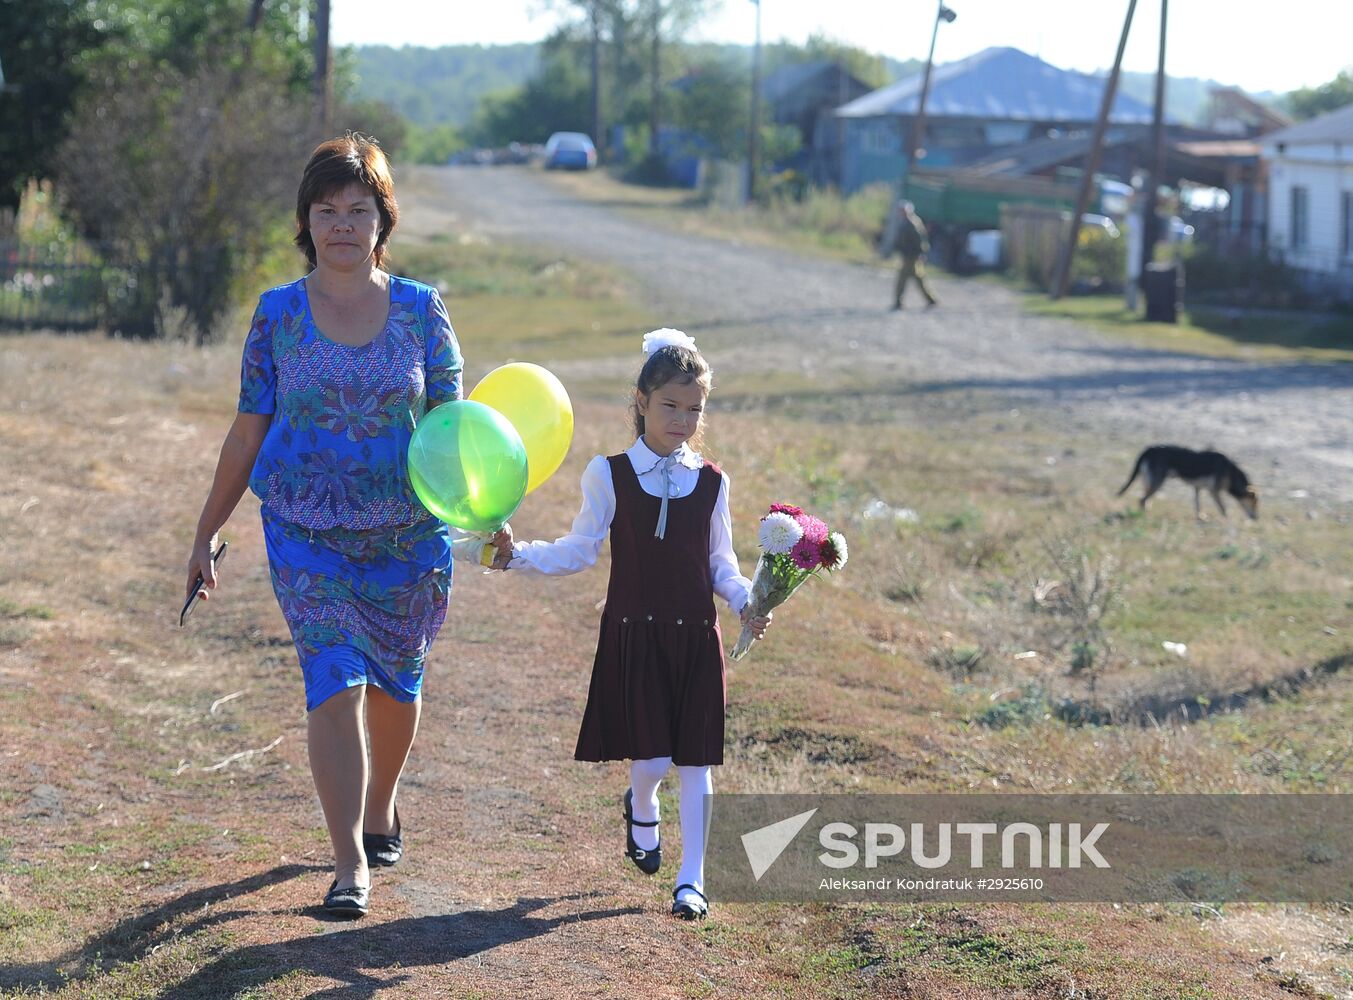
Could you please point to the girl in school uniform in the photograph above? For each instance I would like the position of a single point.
(658, 685)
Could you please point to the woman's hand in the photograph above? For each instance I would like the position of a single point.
(200, 564)
(758, 623)
(502, 547)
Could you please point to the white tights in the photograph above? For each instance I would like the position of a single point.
(696, 783)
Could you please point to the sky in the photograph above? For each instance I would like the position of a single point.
(1248, 43)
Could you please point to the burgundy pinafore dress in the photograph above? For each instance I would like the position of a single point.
(658, 686)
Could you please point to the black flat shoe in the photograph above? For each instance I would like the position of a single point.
(349, 902)
(384, 850)
(687, 909)
(646, 861)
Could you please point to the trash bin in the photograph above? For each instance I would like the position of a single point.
(1163, 287)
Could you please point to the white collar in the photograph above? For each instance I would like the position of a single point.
(645, 459)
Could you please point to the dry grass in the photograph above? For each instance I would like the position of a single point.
(130, 866)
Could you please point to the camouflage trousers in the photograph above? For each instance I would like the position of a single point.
(912, 269)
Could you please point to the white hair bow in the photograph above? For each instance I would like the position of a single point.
(666, 337)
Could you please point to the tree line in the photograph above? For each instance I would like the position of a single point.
(163, 125)
(171, 132)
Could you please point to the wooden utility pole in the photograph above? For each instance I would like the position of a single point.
(754, 125)
(323, 81)
(1150, 223)
(655, 78)
(1062, 277)
(918, 123)
(594, 15)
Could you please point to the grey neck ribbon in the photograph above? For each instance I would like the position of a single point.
(668, 464)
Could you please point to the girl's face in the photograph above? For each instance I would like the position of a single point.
(345, 227)
(672, 414)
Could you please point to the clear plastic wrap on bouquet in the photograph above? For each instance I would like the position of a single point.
(768, 593)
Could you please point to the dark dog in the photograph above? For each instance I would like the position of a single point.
(1203, 470)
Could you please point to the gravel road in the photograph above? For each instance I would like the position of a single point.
(1289, 424)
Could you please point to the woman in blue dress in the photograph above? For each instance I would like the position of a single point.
(338, 367)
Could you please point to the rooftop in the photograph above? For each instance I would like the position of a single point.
(1002, 83)
(1333, 126)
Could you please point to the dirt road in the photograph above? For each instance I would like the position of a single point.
(1287, 423)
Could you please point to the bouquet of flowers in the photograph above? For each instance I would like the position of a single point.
(794, 547)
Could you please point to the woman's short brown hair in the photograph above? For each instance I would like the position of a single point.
(340, 163)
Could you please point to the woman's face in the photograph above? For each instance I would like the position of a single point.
(345, 227)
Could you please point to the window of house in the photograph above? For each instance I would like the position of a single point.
(1346, 224)
(1300, 224)
(880, 137)
(1006, 133)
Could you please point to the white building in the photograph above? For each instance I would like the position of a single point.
(1310, 206)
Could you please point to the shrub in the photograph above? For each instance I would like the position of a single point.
(183, 173)
(1240, 279)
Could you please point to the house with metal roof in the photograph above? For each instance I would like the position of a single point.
(806, 95)
(997, 97)
(1310, 205)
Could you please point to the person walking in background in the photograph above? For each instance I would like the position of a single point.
(337, 367)
(658, 684)
(911, 241)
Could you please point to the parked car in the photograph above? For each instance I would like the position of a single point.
(570, 151)
(1090, 220)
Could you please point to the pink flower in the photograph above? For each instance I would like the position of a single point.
(814, 529)
(786, 508)
(807, 554)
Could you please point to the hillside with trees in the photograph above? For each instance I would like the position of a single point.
(441, 86)
(449, 85)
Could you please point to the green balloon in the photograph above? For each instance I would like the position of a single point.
(467, 464)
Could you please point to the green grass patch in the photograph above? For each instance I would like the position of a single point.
(1211, 332)
(508, 301)
(15, 611)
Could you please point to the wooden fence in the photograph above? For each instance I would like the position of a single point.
(1032, 237)
(65, 286)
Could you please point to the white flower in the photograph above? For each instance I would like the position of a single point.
(837, 541)
(666, 337)
(778, 533)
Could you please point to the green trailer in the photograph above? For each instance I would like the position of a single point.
(954, 203)
(973, 201)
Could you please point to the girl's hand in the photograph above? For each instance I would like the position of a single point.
(502, 545)
(200, 564)
(758, 624)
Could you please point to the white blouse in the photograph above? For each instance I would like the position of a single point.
(579, 548)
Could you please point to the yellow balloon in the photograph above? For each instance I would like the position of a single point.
(535, 403)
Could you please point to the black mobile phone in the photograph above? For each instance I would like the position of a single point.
(193, 598)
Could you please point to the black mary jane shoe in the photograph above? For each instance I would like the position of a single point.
(384, 850)
(350, 902)
(646, 861)
(688, 909)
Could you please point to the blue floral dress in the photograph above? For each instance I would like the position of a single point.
(361, 570)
